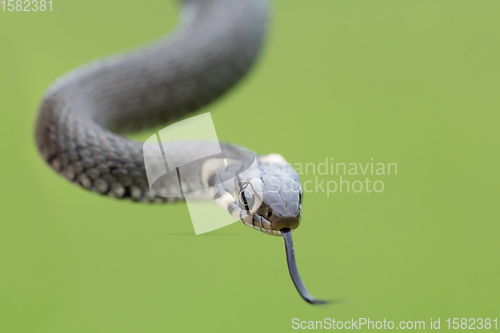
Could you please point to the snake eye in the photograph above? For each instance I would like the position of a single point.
(246, 197)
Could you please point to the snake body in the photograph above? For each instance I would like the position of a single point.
(83, 114)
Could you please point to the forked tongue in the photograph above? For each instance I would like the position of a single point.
(294, 272)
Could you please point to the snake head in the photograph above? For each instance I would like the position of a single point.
(264, 194)
(267, 196)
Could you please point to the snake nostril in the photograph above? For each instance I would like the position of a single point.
(269, 214)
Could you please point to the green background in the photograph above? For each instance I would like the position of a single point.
(411, 82)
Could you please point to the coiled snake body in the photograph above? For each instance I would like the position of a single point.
(84, 112)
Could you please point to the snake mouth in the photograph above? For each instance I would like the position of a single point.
(260, 223)
(270, 227)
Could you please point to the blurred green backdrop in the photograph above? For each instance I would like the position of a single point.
(410, 82)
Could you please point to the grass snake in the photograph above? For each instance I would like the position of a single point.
(84, 113)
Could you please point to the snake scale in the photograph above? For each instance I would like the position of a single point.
(84, 113)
